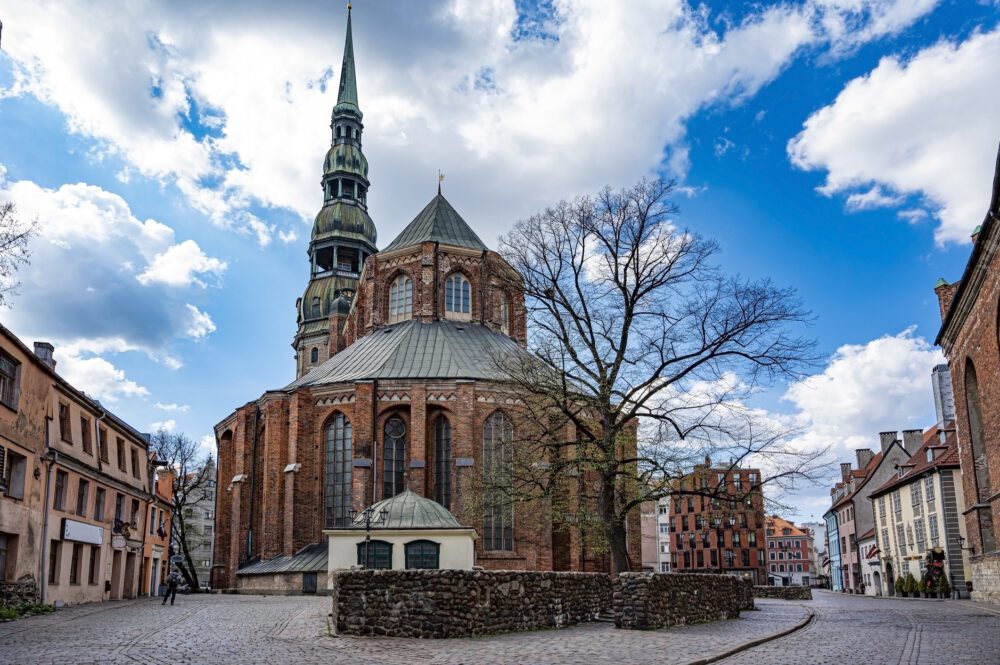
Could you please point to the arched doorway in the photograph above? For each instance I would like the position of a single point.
(877, 580)
(890, 580)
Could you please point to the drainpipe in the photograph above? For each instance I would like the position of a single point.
(253, 479)
(97, 431)
(50, 457)
(374, 440)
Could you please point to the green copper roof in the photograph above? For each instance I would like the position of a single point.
(342, 219)
(347, 98)
(345, 158)
(437, 222)
(415, 350)
(941, 282)
(409, 510)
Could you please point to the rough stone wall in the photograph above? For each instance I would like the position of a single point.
(783, 592)
(456, 603)
(13, 594)
(986, 578)
(647, 601)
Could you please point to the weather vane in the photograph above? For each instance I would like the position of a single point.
(440, 180)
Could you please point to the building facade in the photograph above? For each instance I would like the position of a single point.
(717, 522)
(76, 489)
(789, 553)
(397, 388)
(851, 511)
(970, 339)
(199, 522)
(918, 515)
(831, 563)
(663, 535)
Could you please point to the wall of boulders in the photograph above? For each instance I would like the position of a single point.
(783, 592)
(13, 594)
(646, 601)
(457, 603)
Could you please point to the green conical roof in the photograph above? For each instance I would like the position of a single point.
(409, 510)
(347, 98)
(437, 222)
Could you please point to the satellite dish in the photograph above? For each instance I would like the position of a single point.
(118, 541)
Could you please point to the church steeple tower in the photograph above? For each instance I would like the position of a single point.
(343, 235)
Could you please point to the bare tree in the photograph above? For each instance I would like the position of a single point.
(15, 235)
(192, 477)
(644, 355)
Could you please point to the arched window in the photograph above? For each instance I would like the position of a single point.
(442, 462)
(337, 494)
(393, 450)
(504, 315)
(457, 296)
(423, 554)
(400, 299)
(380, 552)
(980, 464)
(498, 471)
(314, 355)
(316, 311)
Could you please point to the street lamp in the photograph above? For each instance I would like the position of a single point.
(370, 517)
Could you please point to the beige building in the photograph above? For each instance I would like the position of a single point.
(76, 485)
(918, 516)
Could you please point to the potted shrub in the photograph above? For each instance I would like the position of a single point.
(943, 587)
(912, 587)
(930, 588)
(900, 587)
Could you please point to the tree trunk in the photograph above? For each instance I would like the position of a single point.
(614, 529)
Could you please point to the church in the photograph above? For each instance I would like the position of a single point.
(396, 390)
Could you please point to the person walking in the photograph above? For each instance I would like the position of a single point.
(173, 580)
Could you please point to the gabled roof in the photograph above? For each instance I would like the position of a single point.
(437, 222)
(918, 464)
(415, 350)
(780, 524)
(862, 478)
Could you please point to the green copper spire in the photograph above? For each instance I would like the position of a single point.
(347, 98)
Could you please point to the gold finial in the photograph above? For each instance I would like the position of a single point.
(348, 6)
(440, 180)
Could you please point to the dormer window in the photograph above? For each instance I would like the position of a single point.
(316, 312)
(400, 299)
(457, 297)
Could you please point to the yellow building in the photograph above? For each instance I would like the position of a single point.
(75, 493)
(918, 515)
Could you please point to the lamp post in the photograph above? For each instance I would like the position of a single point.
(369, 517)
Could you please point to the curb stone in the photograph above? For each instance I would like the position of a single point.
(806, 621)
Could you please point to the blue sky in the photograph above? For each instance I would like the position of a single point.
(844, 147)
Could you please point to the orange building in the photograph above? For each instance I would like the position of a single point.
(156, 550)
(789, 553)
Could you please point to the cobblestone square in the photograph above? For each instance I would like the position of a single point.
(264, 629)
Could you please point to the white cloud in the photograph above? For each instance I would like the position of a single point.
(168, 425)
(200, 324)
(233, 108)
(917, 126)
(180, 265)
(97, 377)
(208, 445)
(182, 408)
(875, 197)
(116, 283)
(864, 389)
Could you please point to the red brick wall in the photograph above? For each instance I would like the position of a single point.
(978, 339)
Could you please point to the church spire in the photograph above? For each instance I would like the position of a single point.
(347, 98)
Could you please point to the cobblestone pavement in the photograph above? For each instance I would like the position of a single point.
(858, 629)
(258, 629)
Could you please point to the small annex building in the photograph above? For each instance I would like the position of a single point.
(412, 532)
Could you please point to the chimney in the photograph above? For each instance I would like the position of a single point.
(887, 439)
(864, 457)
(44, 351)
(945, 293)
(912, 440)
(845, 471)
